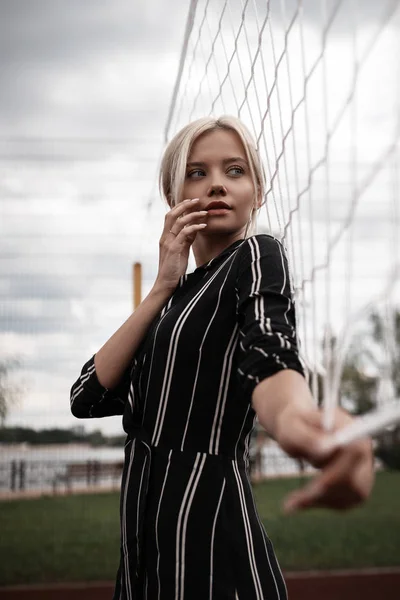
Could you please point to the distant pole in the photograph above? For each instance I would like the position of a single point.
(137, 284)
(13, 475)
(22, 471)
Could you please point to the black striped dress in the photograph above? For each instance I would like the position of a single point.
(189, 526)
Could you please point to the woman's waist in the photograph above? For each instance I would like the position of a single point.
(188, 452)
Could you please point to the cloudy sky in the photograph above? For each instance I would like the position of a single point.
(85, 94)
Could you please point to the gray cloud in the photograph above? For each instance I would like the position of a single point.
(73, 217)
(52, 30)
(345, 14)
(47, 45)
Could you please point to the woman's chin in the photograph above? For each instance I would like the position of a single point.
(222, 229)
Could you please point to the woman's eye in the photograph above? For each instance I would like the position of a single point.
(195, 174)
(237, 170)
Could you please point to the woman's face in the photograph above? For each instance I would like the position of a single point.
(218, 171)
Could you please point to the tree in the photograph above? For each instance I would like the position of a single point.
(371, 375)
(8, 392)
(358, 387)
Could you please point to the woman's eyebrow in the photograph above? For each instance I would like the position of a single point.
(234, 159)
(196, 164)
(224, 161)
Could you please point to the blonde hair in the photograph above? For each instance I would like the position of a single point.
(174, 161)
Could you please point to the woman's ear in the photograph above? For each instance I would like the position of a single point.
(259, 200)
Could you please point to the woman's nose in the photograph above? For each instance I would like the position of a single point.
(217, 190)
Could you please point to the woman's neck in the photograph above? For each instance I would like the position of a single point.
(207, 247)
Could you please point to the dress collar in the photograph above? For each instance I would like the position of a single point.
(214, 261)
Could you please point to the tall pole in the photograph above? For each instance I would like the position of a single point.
(137, 284)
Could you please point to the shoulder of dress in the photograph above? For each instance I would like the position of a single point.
(264, 237)
(260, 241)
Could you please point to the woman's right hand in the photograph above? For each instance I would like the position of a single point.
(182, 223)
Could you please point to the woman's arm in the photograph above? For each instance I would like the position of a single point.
(103, 385)
(273, 376)
(285, 408)
(285, 388)
(114, 357)
(116, 354)
(265, 312)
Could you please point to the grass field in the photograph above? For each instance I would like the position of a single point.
(74, 538)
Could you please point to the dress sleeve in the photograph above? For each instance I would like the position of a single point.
(90, 399)
(266, 312)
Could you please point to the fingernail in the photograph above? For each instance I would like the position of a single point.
(194, 199)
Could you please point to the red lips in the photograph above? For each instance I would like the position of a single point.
(217, 204)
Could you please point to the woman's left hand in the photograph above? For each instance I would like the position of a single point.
(346, 474)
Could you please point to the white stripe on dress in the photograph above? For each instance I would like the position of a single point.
(200, 356)
(172, 350)
(131, 396)
(181, 529)
(83, 379)
(151, 365)
(256, 284)
(168, 373)
(156, 524)
(284, 281)
(124, 530)
(138, 506)
(177, 543)
(248, 438)
(248, 375)
(185, 522)
(241, 429)
(262, 351)
(253, 268)
(259, 304)
(223, 392)
(264, 535)
(212, 537)
(284, 284)
(248, 534)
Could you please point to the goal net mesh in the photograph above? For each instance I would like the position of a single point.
(318, 84)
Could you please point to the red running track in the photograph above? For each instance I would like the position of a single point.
(339, 585)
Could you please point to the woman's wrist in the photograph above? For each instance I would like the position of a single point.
(286, 390)
(161, 291)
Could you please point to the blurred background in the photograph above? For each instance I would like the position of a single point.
(90, 93)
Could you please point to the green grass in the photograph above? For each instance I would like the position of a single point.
(71, 538)
(368, 536)
(76, 537)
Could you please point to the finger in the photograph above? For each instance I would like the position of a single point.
(334, 487)
(188, 219)
(337, 498)
(307, 497)
(188, 233)
(177, 212)
(180, 209)
(185, 223)
(172, 215)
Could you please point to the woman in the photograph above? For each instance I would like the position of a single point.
(192, 368)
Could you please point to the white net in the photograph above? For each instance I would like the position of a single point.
(318, 84)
